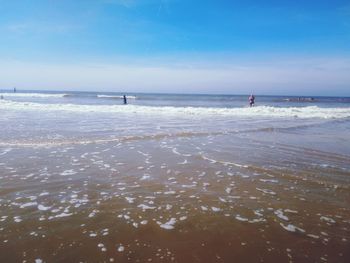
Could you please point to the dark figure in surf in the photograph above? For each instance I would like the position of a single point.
(125, 101)
(251, 100)
(1, 97)
(14, 90)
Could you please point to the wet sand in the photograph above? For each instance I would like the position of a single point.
(188, 198)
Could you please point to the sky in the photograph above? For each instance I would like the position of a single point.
(175, 46)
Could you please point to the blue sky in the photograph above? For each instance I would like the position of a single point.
(265, 47)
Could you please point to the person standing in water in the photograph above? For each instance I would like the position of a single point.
(14, 90)
(125, 101)
(251, 100)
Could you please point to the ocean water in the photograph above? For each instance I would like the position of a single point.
(173, 178)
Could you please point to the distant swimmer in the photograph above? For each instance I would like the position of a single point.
(251, 100)
(14, 90)
(125, 101)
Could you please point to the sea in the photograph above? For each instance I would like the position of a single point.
(173, 178)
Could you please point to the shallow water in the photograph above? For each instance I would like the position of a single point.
(96, 186)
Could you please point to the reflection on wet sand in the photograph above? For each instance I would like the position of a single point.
(174, 199)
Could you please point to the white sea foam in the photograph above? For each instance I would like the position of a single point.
(17, 219)
(130, 199)
(313, 236)
(33, 95)
(43, 208)
(204, 208)
(28, 204)
(240, 218)
(115, 97)
(327, 219)
(169, 225)
(120, 248)
(266, 191)
(268, 180)
(5, 151)
(146, 207)
(64, 215)
(280, 214)
(292, 228)
(215, 209)
(68, 172)
(145, 177)
(144, 222)
(260, 111)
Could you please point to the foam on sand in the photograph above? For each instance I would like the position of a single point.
(168, 225)
(43, 208)
(292, 228)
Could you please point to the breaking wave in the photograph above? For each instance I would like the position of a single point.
(33, 95)
(114, 97)
(260, 111)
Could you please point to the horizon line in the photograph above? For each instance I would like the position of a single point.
(166, 93)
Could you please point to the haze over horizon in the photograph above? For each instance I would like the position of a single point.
(172, 46)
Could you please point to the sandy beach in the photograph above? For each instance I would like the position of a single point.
(81, 187)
